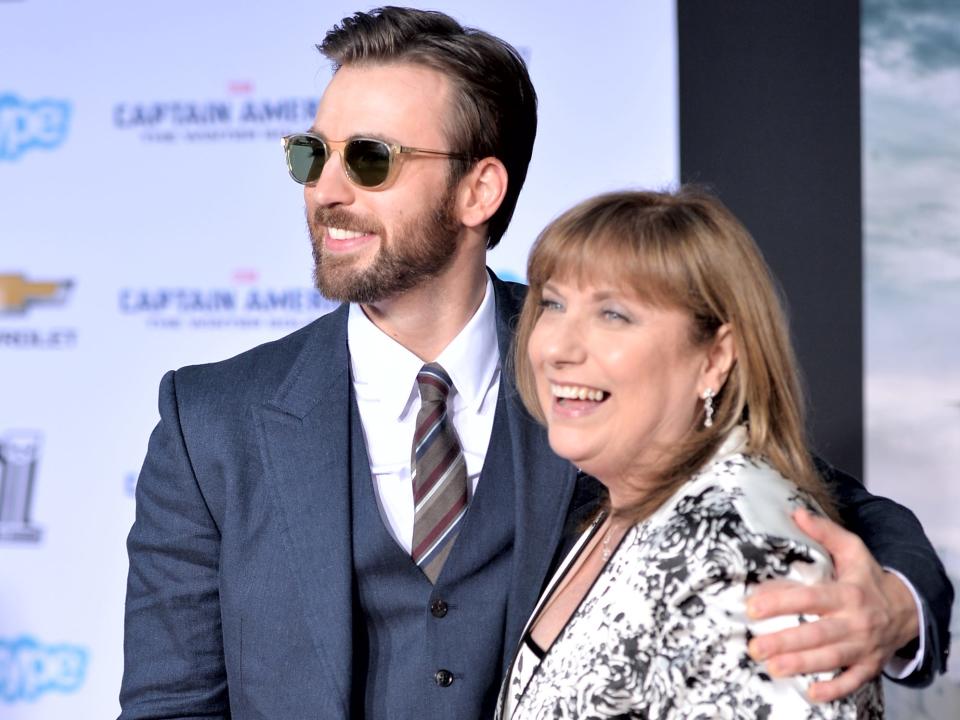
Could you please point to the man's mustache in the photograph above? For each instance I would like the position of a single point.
(345, 220)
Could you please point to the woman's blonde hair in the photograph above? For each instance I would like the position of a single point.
(685, 250)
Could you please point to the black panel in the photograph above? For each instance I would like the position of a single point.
(770, 119)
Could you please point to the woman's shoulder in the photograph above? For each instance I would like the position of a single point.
(742, 482)
(757, 489)
(738, 508)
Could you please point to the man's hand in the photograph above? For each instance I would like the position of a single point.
(866, 614)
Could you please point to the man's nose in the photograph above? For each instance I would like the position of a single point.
(332, 187)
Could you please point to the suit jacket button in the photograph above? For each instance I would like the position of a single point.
(438, 608)
(443, 678)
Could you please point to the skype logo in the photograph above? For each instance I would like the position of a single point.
(29, 669)
(26, 125)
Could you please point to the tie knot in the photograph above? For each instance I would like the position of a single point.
(434, 383)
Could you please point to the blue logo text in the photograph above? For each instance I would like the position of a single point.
(26, 125)
(29, 669)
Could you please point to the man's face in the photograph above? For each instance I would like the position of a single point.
(371, 245)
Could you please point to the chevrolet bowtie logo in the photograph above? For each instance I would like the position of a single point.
(17, 293)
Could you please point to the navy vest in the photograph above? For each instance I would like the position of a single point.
(422, 651)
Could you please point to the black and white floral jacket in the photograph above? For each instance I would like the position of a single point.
(663, 632)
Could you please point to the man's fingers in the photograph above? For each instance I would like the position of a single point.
(821, 659)
(790, 598)
(835, 539)
(855, 624)
(812, 636)
(841, 686)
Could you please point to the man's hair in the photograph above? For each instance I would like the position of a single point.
(494, 110)
(685, 250)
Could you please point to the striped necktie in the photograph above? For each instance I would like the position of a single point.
(439, 475)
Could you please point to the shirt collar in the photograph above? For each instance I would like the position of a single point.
(737, 441)
(473, 356)
(385, 370)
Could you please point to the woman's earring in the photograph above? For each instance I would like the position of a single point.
(707, 407)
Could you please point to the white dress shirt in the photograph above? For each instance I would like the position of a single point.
(385, 383)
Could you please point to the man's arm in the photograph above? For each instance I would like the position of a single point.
(173, 648)
(867, 614)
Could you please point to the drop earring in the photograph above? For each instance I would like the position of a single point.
(707, 407)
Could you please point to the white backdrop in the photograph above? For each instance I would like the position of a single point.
(147, 222)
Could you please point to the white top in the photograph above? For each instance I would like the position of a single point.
(385, 383)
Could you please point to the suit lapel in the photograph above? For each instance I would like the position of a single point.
(305, 447)
(544, 483)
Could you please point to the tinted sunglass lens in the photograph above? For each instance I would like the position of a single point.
(367, 161)
(305, 157)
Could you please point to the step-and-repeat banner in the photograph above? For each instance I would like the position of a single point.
(147, 222)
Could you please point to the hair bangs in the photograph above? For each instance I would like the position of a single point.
(640, 261)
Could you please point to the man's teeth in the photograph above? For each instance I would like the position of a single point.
(577, 392)
(341, 234)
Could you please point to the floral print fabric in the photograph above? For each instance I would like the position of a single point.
(663, 631)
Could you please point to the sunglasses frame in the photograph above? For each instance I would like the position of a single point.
(338, 146)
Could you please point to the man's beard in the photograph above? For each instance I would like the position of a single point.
(419, 249)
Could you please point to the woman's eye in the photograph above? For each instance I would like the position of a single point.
(615, 315)
(549, 304)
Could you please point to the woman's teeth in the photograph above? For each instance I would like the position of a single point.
(577, 392)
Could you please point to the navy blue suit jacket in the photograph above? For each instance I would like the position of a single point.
(239, 597)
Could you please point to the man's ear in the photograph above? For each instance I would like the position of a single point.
(721, 355)
(481, 191)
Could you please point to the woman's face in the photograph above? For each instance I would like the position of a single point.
(618, 380)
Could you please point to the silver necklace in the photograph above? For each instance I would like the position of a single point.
(605, 550)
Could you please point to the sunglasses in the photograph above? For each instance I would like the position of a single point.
(368, 163)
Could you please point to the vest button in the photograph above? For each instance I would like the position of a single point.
(443, 678)
(438, 608)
